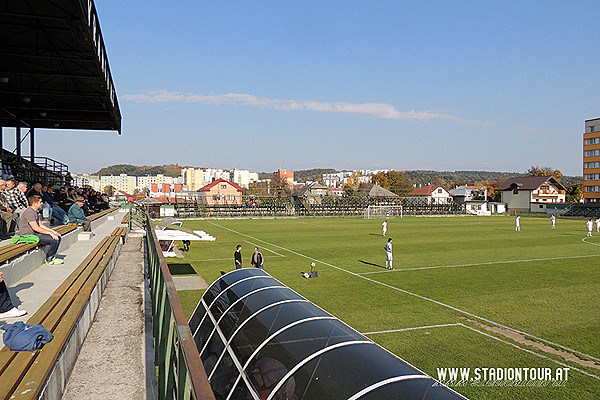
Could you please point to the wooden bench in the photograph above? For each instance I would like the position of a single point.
(13, 250)
(100, 214)
(24, 374)
(120, 232)
(125, 219)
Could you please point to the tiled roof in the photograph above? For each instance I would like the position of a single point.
(376, 191)
(220, 180)
(529, 183)
(309, 187)
(423, 191)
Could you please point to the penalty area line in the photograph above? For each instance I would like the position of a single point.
(255, 245)
(411, 294)
(478, 264)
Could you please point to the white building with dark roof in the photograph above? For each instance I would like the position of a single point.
(532, 193)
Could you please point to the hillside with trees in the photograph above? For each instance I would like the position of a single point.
(132, 170)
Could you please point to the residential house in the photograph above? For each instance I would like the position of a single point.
(464, 193)
(431, 194)
(312, 192)
(532, 193)
(220, 192)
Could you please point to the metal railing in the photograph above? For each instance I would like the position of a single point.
(180, 372)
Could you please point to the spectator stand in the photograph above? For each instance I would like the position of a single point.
(68, 314)
(19, 260)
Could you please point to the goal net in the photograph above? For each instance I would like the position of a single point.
(379, 211)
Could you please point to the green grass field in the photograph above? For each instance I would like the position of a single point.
(450, 272)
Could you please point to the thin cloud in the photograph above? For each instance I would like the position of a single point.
(373, 110)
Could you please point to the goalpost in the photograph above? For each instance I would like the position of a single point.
(380, 211)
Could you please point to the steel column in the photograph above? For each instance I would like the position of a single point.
(32, 145)
(18, 136)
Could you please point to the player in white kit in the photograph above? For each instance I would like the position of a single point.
(388, 254)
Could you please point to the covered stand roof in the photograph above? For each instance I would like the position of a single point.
(258, 339)
(54, 69)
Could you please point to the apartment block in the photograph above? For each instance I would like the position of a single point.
(591, 161)
(193, 178)
(243, 177)
(122, 182)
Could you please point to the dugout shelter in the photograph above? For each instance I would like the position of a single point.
(258, 339)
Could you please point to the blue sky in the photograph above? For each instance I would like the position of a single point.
(453, 85)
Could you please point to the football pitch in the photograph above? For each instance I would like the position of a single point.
(468, 294)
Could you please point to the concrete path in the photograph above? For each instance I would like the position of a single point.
(113, 360)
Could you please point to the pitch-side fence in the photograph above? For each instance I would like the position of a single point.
(180, 372)
(319, 207)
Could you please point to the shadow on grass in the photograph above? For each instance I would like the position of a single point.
(181, 269)
(375, 234)
(369, 263)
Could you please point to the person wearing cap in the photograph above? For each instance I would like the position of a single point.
(77, 216)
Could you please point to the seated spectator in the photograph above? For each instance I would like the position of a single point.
(77, 216)
(22, 186)
(35, 189)
(14, 197)
(7, 228)
(7, 310)
(51, 209)
(61, 198)
(29, 224)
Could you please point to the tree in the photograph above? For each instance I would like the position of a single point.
(544, 171)
(392, 180)
(109, 190)
(574, 193)
(280, 187)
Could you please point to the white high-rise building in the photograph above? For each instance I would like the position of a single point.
(83, 180)
(243, 177)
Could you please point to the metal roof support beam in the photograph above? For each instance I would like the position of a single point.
(18, 137)
(32, 144)
(1, 129)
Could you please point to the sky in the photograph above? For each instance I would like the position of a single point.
(436, 85)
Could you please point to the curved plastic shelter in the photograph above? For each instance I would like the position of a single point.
(258, 339)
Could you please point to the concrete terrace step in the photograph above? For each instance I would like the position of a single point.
(35, 287)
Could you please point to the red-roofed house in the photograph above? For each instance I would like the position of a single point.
(433, 194)
(221, 192)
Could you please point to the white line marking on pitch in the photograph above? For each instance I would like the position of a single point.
(411, 329)
(585, 241)
(413, 294)
(274, 252)
(476, 264)
(490, 336)
(530, 351)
